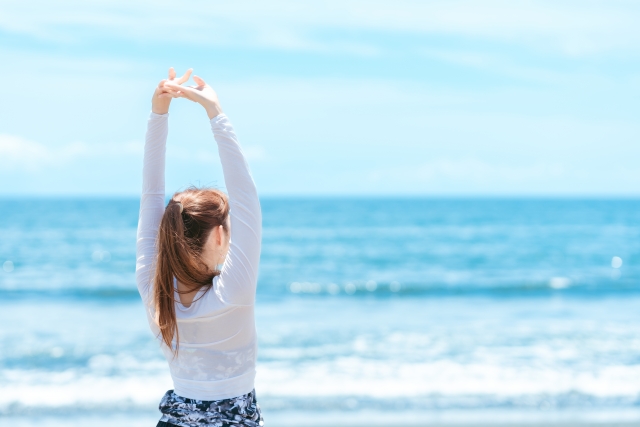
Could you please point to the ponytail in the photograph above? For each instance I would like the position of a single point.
(185, 226)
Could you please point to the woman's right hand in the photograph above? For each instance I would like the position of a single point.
(203, 94)
(162, 97)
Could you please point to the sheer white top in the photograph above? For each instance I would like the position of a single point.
(218, 345)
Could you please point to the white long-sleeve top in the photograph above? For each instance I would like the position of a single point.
(218, 346)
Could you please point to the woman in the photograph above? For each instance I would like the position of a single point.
(196, 270)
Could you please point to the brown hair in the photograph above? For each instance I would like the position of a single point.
(185, 226)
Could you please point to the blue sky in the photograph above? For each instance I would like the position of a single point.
(328, 98)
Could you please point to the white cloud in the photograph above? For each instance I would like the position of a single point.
(20, 154)
(498, 64)
(474, 172)
(255, 153)
(331, 135)
(17, 152)
(479, 176)
(572, 27)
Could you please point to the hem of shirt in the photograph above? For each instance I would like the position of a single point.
(215, 390)
(216, 119)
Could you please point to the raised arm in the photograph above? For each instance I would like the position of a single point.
(153, 191)
(237, 282)
(151, 201)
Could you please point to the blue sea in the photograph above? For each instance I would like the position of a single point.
(369, 311)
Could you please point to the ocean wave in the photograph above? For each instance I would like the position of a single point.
(435, 402)
(105, 293)
(343, 384)
(554, 285)
(356, 289)
(570, 401)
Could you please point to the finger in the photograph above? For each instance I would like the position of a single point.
(171, 84)
(165, 95)
(176, 93)
(186, 76)
(172, 73)
(161, 84)
(199, 81)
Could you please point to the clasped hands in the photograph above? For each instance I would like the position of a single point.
(172, 87)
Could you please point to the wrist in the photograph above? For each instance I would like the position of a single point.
(213, 109)
(160, 109)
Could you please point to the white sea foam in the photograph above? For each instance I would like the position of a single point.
(471, 385)
(616, 262)
(351, 376)
(559, 282)
(73, 389)
(343, 355)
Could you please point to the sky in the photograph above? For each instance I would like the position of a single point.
(348, 98)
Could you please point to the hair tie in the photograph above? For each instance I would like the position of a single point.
(181, 207)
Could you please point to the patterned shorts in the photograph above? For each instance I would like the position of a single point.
(238, 411)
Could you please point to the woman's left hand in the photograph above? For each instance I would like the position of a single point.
(162, 97)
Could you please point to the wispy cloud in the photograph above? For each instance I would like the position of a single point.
(469, 175)
(20, 154)
(472, 172)
(572, 27)
(499, 64)
(338, 96)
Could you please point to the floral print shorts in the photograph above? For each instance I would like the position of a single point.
(238, 411)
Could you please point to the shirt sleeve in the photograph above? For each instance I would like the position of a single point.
(151, 202)
(239, 276)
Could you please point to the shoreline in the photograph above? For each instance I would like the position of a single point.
(109, 421)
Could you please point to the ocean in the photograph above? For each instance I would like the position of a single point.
(369, 311)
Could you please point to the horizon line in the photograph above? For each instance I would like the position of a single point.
(555, 196)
